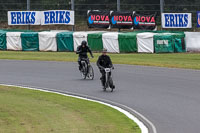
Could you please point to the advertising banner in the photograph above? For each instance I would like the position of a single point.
(145, 22)
(176, 20)
(198, 19)
(23, 18)
(121, 20)
(98, 19)
(57, 17)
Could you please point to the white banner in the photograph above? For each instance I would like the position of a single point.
(23, 18)
(192, 40)
(177, 20)
(57, 17)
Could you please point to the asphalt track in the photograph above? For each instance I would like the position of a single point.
(169, 98)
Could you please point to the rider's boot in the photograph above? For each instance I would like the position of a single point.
(113, 87)
(104, 88)
(80, 69)
(103, 83)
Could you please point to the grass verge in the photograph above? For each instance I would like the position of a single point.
(173, 60)
(31, 111)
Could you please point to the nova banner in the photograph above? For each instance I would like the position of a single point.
(144, 22)
(57, 17)
(198, 19)
(98, 19)
(23, 18)
(121, 20)
(176, 20)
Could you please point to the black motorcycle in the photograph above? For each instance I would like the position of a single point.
(108, 79)
(87, 69)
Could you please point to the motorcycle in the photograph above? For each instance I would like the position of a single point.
(108, 80)
(87, 69)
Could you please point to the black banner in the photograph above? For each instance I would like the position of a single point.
(121, 20)
(145, 22)
(98, 19)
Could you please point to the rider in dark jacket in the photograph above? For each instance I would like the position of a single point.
(82, 51)
(103, 62)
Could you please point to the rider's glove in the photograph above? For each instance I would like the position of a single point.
(92, 56)
(101, 68)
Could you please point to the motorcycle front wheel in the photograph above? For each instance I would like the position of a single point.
(90, 72)
(84, 72)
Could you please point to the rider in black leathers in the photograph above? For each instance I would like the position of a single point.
(103, 62)
(82, 51)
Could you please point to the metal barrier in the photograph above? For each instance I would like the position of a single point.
(82, 6)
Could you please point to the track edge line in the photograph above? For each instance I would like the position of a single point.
(145, 125)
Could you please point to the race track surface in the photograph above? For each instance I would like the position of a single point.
(169, 98)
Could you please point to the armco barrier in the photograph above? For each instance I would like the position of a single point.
(115, 42)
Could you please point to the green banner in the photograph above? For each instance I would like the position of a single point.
(179, 42)
(95, 41)
(65, 41)
(163, 43)
(3, 40)
(30, 41)
(128, 41)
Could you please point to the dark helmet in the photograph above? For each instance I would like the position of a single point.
(83, 43)
(104, 50)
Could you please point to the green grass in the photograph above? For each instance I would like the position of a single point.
(173, 60)
(31, 111)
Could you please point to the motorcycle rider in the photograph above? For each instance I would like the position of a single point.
(103, 62)
(82, 51)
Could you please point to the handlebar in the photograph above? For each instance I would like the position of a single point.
(107, 69)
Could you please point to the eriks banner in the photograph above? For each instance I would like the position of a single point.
(176, 20)
(23, 18)
(41, 17)
(57, 17)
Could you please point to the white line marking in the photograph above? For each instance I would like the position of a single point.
(143, 128)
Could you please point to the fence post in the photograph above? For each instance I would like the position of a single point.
(28, 9)
(72, 8)
(161, 11)
(118, 9)
(118, 5)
